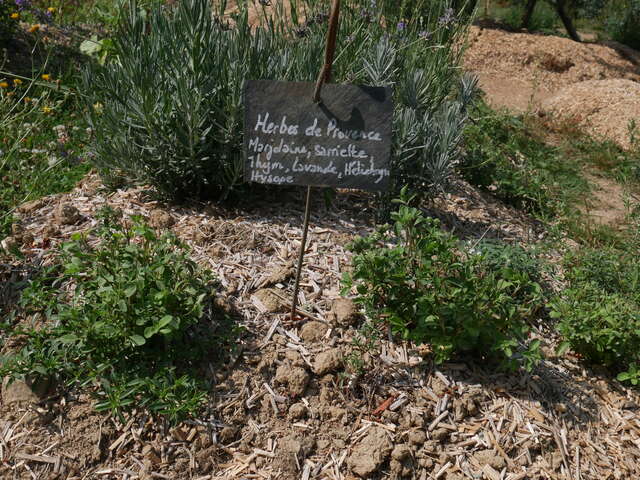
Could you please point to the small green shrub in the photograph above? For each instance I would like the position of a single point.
(417, 279)
(167, 109)
(599, 314)
(604, 327)
(130, 316)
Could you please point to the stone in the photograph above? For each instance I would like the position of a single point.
(295, 358)
(441, 434)
(160, 219)
(298, 445)
(313, 331)
(281, 274)
(150, 455)
(328, 361)
(369, 455)
(24, 391)
(401, 452)
(27, 239)
(390, 417)
(426, 462)
(489, 457)
(228, 434)
(66, 214)
(344, 312)
(29, 207)
(417, 437)
(290, 448)
(272, 302)
(9, 243)
(297, 411)
(295, 378)
(17, 229)
(50, 230)
(335, 413)
(396, 468)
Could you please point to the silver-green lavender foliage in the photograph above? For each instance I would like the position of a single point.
(167, 109)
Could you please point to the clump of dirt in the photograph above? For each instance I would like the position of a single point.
(370, 453)
(603, 108)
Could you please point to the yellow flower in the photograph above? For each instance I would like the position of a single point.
(51, 9)
(46, 109)
(46, 76)
(34, 28)
(27, 99)
(15, 15)
(4, 84)
(98, 107)
(17, 81)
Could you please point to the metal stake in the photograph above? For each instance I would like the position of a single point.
(323, 77)
(305, 230)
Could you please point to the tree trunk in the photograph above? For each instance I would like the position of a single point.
(566, 20)
(528, 12)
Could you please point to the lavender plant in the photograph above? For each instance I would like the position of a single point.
(170, 107)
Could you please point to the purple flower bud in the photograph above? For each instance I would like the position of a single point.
(401, 26)
(448, 18)
(22, 4)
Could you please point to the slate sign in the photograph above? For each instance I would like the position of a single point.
(343, 141)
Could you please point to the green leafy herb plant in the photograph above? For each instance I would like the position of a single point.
(130, 317)
(418, 280)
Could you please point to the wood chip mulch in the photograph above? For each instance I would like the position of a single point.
(287, 407)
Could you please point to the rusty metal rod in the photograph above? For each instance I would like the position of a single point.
(323, 77)
(303, 246)
(330, 50)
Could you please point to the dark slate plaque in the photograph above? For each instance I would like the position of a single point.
(344, 141)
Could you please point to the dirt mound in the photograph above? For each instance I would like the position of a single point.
(520, 70)
(603, 108)
(552, 62)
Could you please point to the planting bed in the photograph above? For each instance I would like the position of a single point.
(283, 406)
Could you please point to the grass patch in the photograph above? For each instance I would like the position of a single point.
(508, 158)
(542, 166)
(42, 148)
